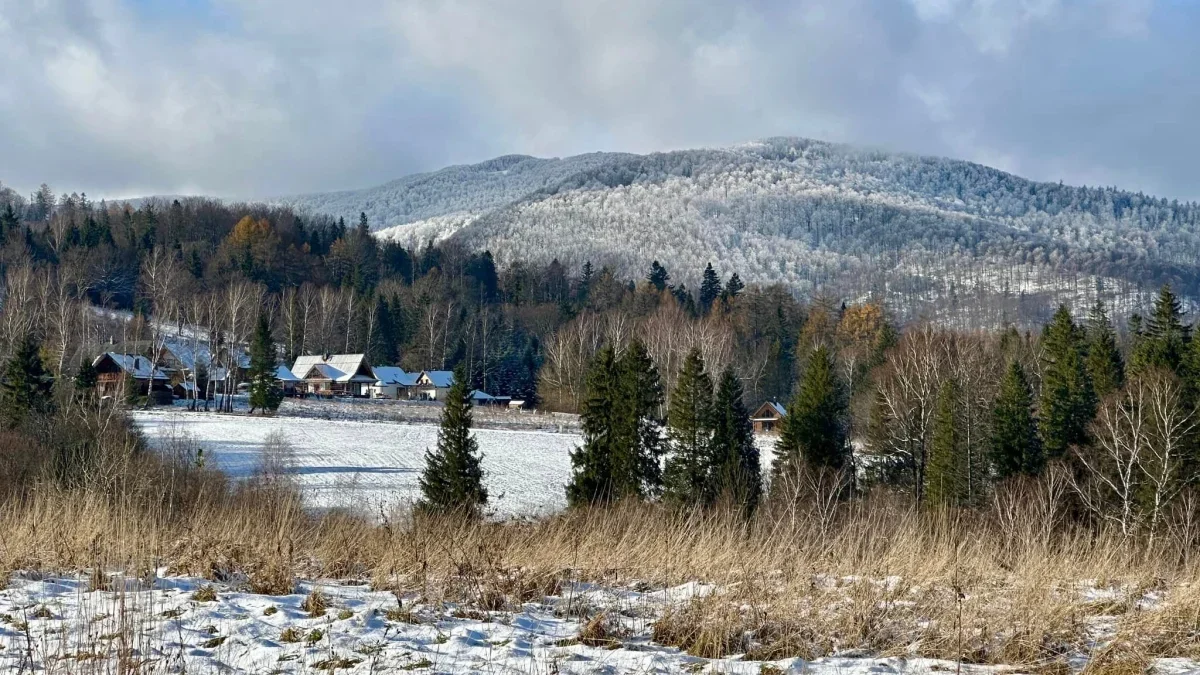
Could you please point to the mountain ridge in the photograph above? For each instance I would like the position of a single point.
(812, 215)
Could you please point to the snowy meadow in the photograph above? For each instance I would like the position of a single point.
(370, 466)
(169, 564)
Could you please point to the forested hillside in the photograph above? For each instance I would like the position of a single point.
(197, 266)
(941, 238)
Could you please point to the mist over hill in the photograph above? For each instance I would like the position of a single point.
(937, 237)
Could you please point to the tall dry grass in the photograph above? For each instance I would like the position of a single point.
(873, 575)
(1014, 581)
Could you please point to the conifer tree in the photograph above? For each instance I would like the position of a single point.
(736, 472)
(265, 392)
(640, 397)
(658, 276)
(25, 386)
(814, 430)
(1016, 448)
(734, 286)
(710, 288)
(1190, 370)
(10, 222)
(946, 472)
(584, 289)
(594, 463)
(1164, 338)
(453, 476)
(684, 297)
(86, 377)
(1067, 401)
(689, 428)
(1104, 364)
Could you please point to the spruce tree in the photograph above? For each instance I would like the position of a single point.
(453, 478)
(1190, 370)
(1104, 364)
(734, 286)
(946, 472)
(814, 430)
(689, 428)
(593, 464)
(10, 222)
(265, 392)
(658, 276)
(1067, 401)
(25, 386)
(736, 472)
(684, 297)
(710, 289)
(584, 289)
(86, 377)
(1164, 338)
(1016, 448)
(638, 467)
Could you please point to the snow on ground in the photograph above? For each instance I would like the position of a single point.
(369, 465)
(162, 624)
(373, 465)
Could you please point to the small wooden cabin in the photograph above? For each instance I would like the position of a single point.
(766, 419)
(114, 372)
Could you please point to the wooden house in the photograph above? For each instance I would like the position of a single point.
(115, 373)
(288, 382)
(334, 375)
(767, 418)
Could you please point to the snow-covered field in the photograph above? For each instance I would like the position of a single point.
(163, 625)
(373, 465)
(376, 464)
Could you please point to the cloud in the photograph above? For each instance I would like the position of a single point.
(259, 97)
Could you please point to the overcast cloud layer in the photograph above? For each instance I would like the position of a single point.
(244, 98)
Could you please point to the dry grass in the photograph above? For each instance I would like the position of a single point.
(316, 604)
(998, 585)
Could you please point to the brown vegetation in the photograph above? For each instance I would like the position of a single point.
(996, 585)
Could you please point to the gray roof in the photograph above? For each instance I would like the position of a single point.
(392, 375)
(138, 366)
(338, 367)
(779, 409)
(440, 379)
(479, 395)
(283, 374)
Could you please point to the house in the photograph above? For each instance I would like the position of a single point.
(480, 398)
(184, 356)
(433, 385)
(767, 418)
(334, 374)
(186, 389)
(288, 382)
(393, 382)
(114, 372)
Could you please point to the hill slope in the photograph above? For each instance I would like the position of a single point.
(939, 237)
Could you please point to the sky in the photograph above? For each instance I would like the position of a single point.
(260, 98)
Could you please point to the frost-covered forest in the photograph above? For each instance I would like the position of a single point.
(941, 238)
